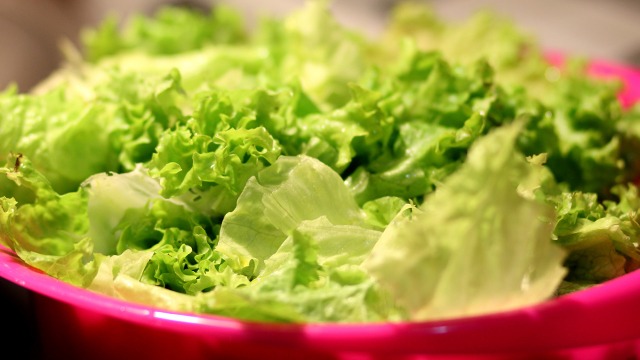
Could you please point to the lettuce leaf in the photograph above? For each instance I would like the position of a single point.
(291, 191)
(484, 216)
(171, 30)
(47, 234)
(303, 253)
(602, 237)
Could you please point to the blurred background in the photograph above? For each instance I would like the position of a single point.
(31, 30)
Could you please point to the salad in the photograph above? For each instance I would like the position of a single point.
(303, 172)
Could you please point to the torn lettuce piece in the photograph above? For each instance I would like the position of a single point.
(335, 245)
(313, 277)
(49, 233)
(71, 236)
(299, 234)
(216, 152)
(106, 121)
(428, 112)
(480, 218)
(119, 276)
(276, 201)
(601, 237)
(65, 138)
(181, 240)
(112, 197)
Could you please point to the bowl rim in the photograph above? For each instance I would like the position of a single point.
(598, 315)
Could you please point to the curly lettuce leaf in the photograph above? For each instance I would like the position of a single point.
(215, 153)
(70, 135)
(429, 113)
(77, 235)
(601, 237)
(179, 240)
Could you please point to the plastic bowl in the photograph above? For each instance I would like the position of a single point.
(70, 322)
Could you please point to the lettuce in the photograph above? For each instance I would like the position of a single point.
(306, 173)
(303, 253)
(171, 31)
(482, 217)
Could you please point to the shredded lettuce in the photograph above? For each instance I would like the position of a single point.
(304, 172)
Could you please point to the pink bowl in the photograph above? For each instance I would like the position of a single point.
(70, 322)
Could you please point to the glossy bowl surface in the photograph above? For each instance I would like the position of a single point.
(599, 323)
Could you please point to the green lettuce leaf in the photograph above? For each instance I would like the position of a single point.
(215, 153)
(47, 234)
(303, 246)
(601, 237)
(180, 240)
(171, 30)
(70, 133)
(484, 216)
(292, 190)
